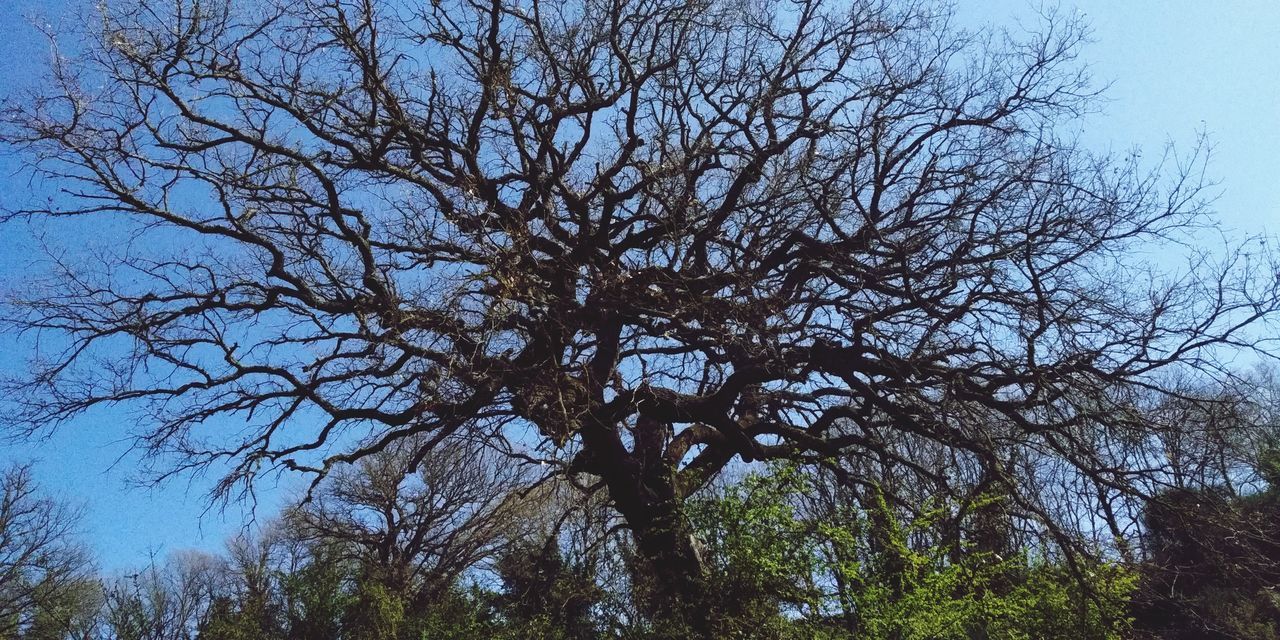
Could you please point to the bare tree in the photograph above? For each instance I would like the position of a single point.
(417, 532)
(168, 601)
(43, 566)
(657, 234)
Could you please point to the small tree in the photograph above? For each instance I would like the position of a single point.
(318, 593)
(763, 556)
(46, 574)
(1212, 565)
(413, 521)
(73, 613)
(546, 594)
(166, 601)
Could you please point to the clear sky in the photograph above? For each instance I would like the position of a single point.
(1177, 67)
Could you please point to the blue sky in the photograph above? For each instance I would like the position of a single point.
(1177, 67)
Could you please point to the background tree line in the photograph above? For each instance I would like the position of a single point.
(464, 545)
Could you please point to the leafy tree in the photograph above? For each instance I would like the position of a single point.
(546, 595)
(379, 612)
(460, 614)
(317, 594)
(775, 582)
(656, 235)
(1213, 565)
(71, 613)
(251, 606)
(763, 556)
(1021, 598)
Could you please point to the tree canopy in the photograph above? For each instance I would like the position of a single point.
(631, 240)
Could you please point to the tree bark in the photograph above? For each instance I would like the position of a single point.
(679, 596)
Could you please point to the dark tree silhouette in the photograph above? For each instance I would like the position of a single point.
(1212, 564)
(547, 592)
(46, 575)
(654, 234)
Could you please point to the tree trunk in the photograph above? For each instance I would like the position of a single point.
(678, 594)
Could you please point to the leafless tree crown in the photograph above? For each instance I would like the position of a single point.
(660, 234)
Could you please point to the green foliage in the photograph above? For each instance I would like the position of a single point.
(546, 595)
(1015, 599)
(777, 569)
(938, 594)
(67, 610)
(773, 569)
(378, 613)
(316, 596)
(762, 557)
(460, 614)
(227, 621)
